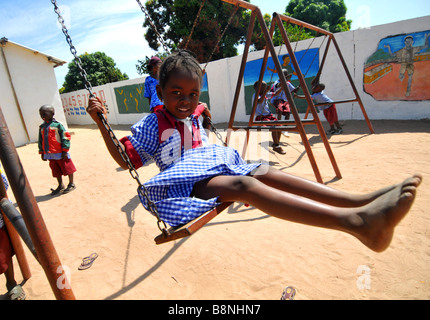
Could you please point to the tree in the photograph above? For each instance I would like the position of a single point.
(100, 70)
(174, 20)
(326, 14)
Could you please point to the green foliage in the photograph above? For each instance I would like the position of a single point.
(174, 20)
(258, 41)
(326, 14)
(100, 70)
(294, 33)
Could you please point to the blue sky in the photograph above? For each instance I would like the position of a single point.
(114, 26)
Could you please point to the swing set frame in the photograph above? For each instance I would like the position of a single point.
(296, 125)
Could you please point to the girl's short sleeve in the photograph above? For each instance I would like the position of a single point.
(144, 137)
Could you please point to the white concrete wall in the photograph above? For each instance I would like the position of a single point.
(34, 81)
(356, 47)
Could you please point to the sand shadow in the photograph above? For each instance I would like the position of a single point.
(129, 209)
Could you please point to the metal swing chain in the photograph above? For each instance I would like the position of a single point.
(160, 38)
(135, 175)
(73, 50)
(141, 190)
(236, 7)
(154, 28)
(195, 23)
(315, 55)
(215, 131)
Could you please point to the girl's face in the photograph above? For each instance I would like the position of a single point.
(180, 94)
(155, 69)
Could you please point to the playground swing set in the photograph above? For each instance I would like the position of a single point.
(29, 225)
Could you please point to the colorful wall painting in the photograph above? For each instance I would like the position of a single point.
(308, 62)
(399, 68)
(130, 98)
(75, 103)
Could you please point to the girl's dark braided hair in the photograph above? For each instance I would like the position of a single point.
(182, 60)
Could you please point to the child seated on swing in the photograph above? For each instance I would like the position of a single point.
(263, 113)
(280, 102)
(195, 176)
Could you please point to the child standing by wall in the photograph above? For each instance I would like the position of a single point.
(54, 145)
(151, 83)
(196, 176)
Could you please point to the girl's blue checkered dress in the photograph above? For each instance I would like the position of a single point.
(171, 189)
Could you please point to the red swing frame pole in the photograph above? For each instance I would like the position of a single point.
(15, 239)
(31, 214)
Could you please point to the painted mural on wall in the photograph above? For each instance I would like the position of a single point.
(75, 103)
(308, 62)
(399, 68)
(130, 98)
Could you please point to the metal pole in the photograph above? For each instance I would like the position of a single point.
(351, 81)
(33, 219)
(15, 239)
(278, 19)
(293, 108)
(242, 69)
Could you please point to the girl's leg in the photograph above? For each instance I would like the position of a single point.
(71, 179)
(276, 137)
(60, 181)
(10, 276)
(320, 192)
(60, 186)
(373, 224)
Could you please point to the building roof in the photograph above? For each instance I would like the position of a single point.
(55, 61)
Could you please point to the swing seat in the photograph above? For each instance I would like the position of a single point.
(192, 226)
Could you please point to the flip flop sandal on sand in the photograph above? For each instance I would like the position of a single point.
(289, 293)
(279, 149)
(17, 293)
(88, 261)
(57, 191)
(69, 188)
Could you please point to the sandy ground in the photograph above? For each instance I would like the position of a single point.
(243, 253)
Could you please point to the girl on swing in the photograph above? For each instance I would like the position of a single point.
(196, 176)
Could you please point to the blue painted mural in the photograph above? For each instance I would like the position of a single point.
(308, 61)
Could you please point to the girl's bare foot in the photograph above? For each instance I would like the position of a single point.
(375, 222)
(413, 181)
